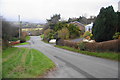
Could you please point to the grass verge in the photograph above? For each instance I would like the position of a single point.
(107, 55)
(25, 43)
(0, 58)
(42, 36)
(27, 38)
(24, 63)
(0, 64)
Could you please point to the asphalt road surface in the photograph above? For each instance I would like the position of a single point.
(78, 39)
(75, 65)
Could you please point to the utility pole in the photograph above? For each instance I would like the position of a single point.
(19, 26)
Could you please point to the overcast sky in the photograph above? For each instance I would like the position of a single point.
(40, 10)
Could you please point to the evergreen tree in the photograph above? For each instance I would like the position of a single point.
(54, 20)
(118, 22)
(105, 25)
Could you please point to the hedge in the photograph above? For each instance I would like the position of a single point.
(111, 45)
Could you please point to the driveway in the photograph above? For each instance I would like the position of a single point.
(75, 65)
(77, 40)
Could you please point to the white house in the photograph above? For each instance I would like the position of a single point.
(89, 27)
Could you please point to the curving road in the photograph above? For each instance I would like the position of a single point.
(75, 65)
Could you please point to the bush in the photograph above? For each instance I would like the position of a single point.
(5, 44)
(14, 39)
(24, 34)
(48, 34)
(22, 40)
(82, 46)
(87, 35)
(64, 33)
(42, 36)
(23, 37)
(27, 38)
(116, 35)
(47, 31)
(74, 31)
(59, 42)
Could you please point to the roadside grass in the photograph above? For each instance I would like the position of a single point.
(27, 38)
(0, 63)
(24, 63)
(107, 55)
(25, 43)
(42, 36)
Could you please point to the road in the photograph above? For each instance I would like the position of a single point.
(75, 65)
(78, 39)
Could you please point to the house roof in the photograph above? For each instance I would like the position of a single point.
(80, 25)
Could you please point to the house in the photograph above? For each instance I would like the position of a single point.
(31, 28)
(89, 27)
(91, 19)
(78, 24)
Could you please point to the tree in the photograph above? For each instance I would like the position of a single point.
(105, 24)
(9, 32)
(46, 32)
(82, 20)
(49, 34)
(74, 31)
(118, 22)
(54, 20)
(60, 25)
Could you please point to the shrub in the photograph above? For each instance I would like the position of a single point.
(24, 34)
(42, 36)
(74, 31)
(82, 45)
(87, 35)
(14, 39)
(48, 34)
(5, 44)
(27, 38)
(23, 37)
(116, 35)
(59, 42)
(64, 33)
(22, 40)
(47, 31)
